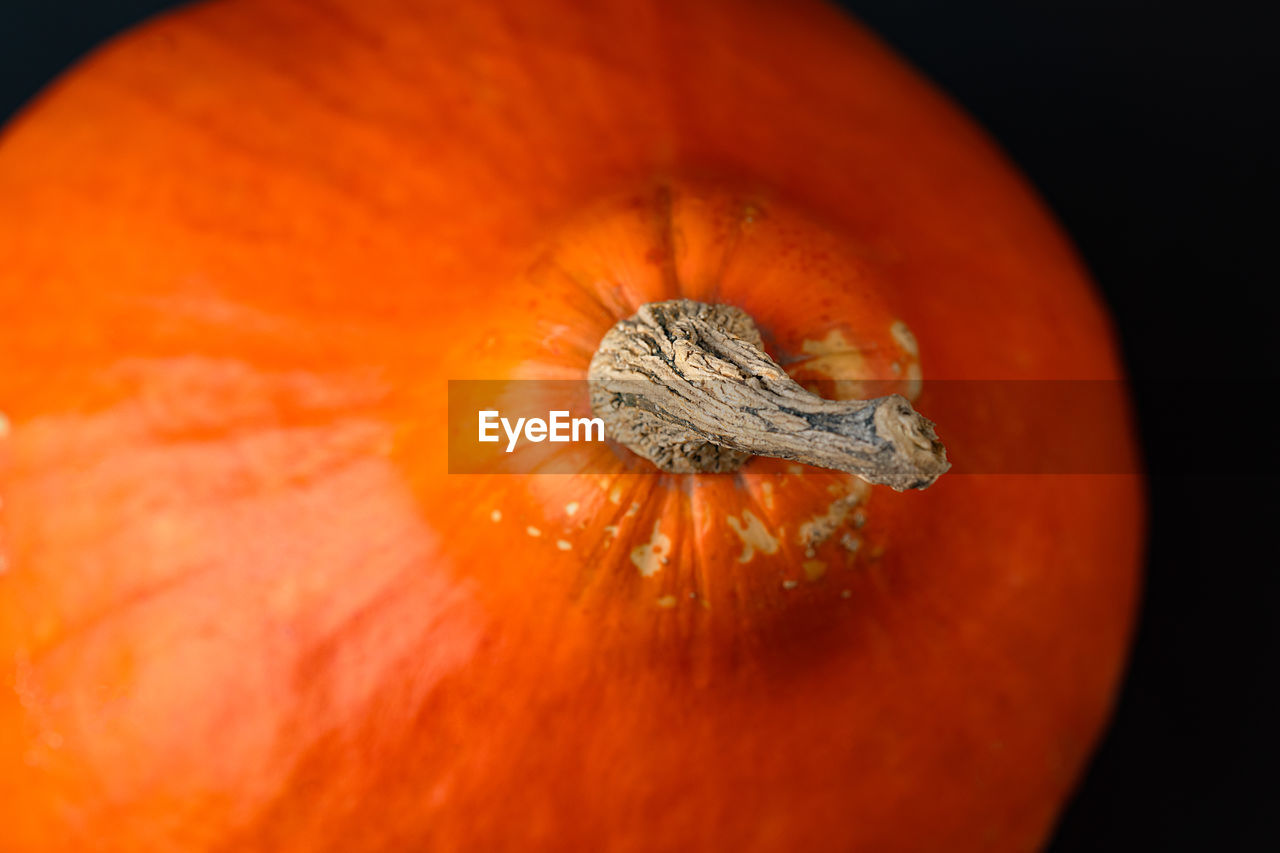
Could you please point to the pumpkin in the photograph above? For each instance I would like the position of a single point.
(244, 604)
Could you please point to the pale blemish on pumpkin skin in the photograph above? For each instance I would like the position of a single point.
(834, 343)
(914, 383)
(533, 531)
(667, 601)
(496, 515)
(650, 557)
(905, 338)
(571, 508)
(754, 536)
(813, 569)
(5, 427)
(564, 545)
(838, 359)
(820, 528)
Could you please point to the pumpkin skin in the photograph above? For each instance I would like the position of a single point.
(245, 607)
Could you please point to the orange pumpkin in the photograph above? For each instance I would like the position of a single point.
(244, 605)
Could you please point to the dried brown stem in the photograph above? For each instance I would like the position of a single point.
(688, 386)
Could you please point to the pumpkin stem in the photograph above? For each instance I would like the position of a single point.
(689, 387)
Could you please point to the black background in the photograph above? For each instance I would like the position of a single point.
(1148, 128)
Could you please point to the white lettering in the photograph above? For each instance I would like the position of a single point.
(513, 434)
(587, 424)
(487, 423)
(559, 426)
